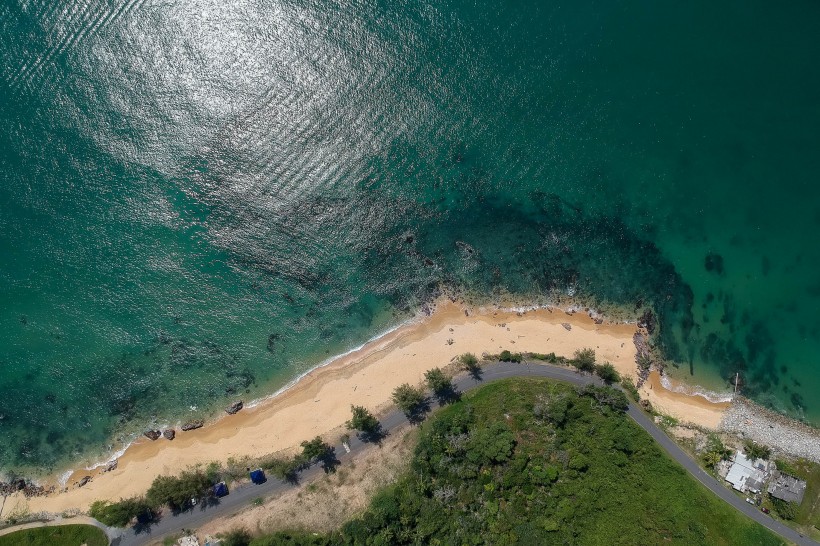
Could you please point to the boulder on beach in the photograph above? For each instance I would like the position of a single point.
(152, 434)
(191, 425)
(567, 325)
(84, 481)
(233, 408)
(169, 434)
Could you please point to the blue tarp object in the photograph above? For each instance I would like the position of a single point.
(258, 476)
(220, 489)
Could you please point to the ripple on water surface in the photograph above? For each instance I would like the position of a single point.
(200, 201)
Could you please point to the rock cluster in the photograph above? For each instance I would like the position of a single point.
(648, 321)
(772, 429)
(233, 408)
(152, 434)
(169, 434)
(20, 485)
(643, 357)
(191, 425)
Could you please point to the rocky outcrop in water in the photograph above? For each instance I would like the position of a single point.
(169, 434)
(152, 434)
(643, 357)
(234, 408)
(20, 485)
(648, 321)
(192, 425)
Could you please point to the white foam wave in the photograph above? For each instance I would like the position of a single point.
(696, 390)
(330, 360)
(586, 310)
(111, 458)
(63, 479)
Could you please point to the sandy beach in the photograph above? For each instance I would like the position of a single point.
(319, 403)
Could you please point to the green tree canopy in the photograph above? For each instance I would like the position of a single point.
(439, 382)
(755, 450)
(178, 491)
(469, 362)
(315, 449)
(584, 360)
(119, 514)
(408, 398)
(608, 373)
(362, 420)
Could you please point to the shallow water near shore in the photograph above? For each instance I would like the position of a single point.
(200, 202)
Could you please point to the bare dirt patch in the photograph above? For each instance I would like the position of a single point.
(326, 503)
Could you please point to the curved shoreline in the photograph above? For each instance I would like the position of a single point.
(318, 403)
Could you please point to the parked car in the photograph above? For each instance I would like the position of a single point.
(764, 510)
(220, 490)
(258, 476)
(750, 501)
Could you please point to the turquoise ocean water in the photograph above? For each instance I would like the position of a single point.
(200, 200)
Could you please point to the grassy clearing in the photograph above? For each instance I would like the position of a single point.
(57, 535)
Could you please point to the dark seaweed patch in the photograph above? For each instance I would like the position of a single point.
(714, 263)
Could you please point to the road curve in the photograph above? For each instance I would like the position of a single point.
(241, 496)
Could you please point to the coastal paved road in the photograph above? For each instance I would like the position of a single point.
(240, 497)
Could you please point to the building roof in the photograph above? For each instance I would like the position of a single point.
(787, 488)
(746, 474)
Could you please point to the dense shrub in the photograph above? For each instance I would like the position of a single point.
(236, 537)
(507, 356)
(714, 451)
(495, 469)
(786, 510)
(584, 360)
(630, 388)
(119, 514)
(314, 450)
(608, 373)
(362, 420)
(437, 381)
(284, 468)
(469, 362)
(178, 492)
(606, 397)
(756, 451)
(408, 398)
